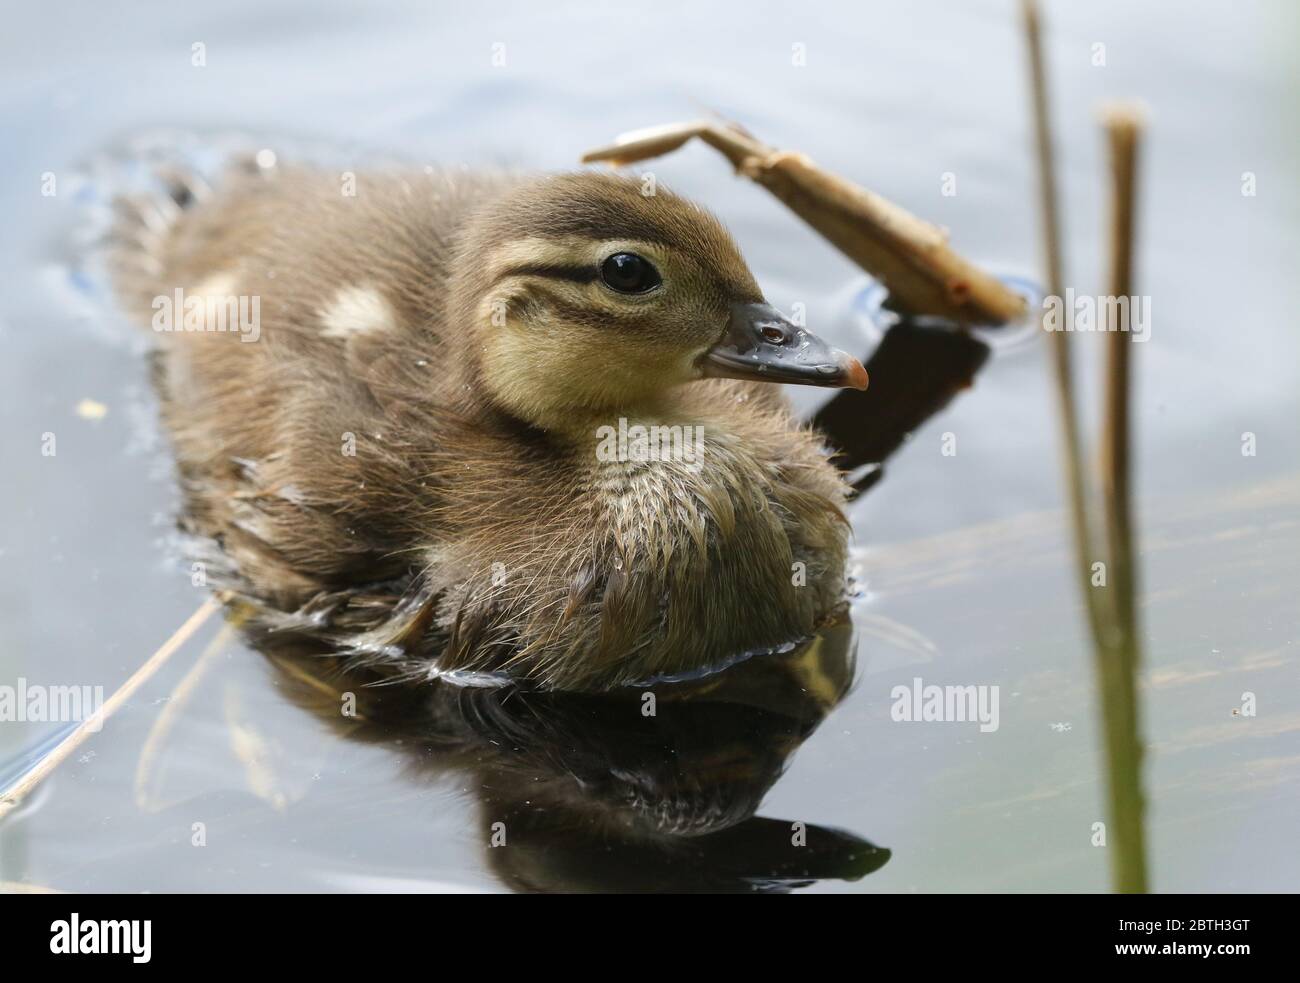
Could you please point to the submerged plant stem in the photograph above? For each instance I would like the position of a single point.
(145, 767)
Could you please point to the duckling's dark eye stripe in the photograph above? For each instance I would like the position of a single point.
(574, 274)
(574, 314)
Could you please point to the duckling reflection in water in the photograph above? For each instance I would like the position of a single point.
(634, 789)
(405, 464)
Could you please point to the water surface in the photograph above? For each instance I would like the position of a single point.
(964, 559)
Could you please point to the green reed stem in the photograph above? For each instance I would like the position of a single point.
(1119, 660)
(1108, 611)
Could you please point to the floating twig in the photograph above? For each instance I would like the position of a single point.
(15, 793)
(909, 256)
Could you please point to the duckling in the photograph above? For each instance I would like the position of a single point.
(491, 423)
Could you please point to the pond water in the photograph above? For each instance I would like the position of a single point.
(963, 558)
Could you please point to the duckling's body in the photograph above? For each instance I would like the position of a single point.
(408, 458)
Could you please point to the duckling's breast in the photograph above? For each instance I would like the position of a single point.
(668, 564)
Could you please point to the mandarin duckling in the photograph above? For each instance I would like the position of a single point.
(489, 423)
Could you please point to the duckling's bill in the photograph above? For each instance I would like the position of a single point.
(762, 344)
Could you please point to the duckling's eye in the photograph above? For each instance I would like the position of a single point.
(629, 273)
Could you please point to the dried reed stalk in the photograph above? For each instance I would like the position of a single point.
(1110, 610)
(909, 256)
(1118, 664)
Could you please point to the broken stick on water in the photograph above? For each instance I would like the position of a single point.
(909, 256)
(12, 796)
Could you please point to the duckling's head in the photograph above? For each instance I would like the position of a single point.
(591, 294)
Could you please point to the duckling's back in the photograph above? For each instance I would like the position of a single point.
(301, 235)
(299, 316)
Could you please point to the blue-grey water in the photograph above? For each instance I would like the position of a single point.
(965, 557)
